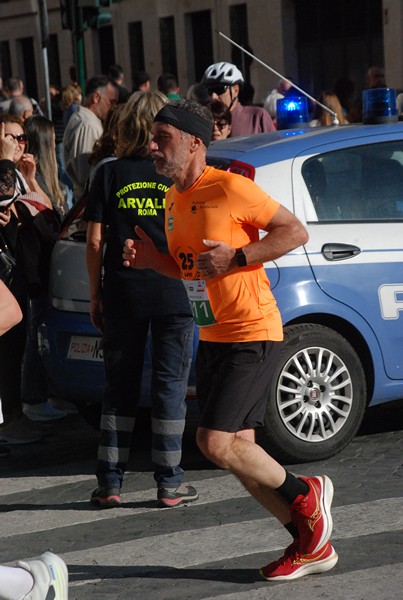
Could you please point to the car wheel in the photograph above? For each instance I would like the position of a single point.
(317, 397)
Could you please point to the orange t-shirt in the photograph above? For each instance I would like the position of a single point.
(224, 207)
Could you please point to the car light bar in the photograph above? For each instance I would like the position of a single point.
(292, 112)
(379, 106)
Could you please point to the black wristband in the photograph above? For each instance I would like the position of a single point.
(240, 257)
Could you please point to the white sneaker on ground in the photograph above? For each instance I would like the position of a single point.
(44, 411)
(50, 576)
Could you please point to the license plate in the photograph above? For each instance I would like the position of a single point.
(85, 348)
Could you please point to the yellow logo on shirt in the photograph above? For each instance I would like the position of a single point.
(144, 206)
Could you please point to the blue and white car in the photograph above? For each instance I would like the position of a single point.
(340, 296)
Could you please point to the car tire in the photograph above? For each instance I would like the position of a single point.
(313, 413)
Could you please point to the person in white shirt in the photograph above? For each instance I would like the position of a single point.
(84, 128)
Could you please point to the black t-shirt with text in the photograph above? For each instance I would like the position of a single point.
(125, 193)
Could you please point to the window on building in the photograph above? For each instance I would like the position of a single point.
(136, 46)
(168, 45)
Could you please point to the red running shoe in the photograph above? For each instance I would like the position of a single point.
(295, 565)
(311, 514)
(288, 553)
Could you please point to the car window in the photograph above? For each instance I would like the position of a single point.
(361, 183)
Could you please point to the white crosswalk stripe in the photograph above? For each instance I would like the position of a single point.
(190, 550)
(357, 519)
(182, 549)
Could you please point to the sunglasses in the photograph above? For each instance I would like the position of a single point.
(221, 124)
(21, 138)
(217, 89)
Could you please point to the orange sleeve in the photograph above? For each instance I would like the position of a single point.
(249, 203)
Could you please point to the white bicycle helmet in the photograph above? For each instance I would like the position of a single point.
(222, 72)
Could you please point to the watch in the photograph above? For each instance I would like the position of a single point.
(240, 257)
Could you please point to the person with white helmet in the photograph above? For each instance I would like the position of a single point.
(223, 81)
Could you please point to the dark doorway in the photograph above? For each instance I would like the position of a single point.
(168, 46)
(136, 48)
(29, 76)
(53, 60)
(106, 47)
(239, 33)
(337, 39)
(5, 60)
(202, 41)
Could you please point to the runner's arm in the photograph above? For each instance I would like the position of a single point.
(284, 233)
(143, 254)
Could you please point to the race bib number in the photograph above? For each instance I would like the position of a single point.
(199, 302)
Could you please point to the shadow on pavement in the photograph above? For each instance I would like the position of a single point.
(382, 418)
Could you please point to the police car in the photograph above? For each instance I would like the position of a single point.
(340, 296)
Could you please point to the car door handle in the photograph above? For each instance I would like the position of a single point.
(339, 251)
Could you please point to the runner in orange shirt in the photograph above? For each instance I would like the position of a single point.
(212, 224)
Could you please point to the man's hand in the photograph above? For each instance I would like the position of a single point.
(217, 261)
(142, 253)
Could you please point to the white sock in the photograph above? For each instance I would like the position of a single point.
(15, 583)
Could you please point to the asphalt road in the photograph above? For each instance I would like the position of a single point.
(211, 549)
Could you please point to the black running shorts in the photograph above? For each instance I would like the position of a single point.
(233, 380)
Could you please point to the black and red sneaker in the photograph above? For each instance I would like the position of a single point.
(169, 497)
(105, 497)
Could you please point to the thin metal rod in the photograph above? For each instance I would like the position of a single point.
(281, 76)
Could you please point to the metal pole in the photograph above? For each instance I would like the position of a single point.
(78, 42)
(335, 119)
(43, 19)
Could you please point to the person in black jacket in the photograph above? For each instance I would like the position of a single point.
(126, 305)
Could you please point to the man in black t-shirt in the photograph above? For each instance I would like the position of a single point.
(126, 306)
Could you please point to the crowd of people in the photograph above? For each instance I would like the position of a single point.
(100, 144)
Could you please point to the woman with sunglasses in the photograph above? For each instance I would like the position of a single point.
(13, 341)
(222, 120)
(24, 161)
(18, 236)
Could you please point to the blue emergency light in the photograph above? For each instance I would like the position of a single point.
(292, 112)
(379, 106)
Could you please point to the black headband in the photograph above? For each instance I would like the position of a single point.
(186, 121)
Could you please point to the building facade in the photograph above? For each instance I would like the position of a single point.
(313, 41)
